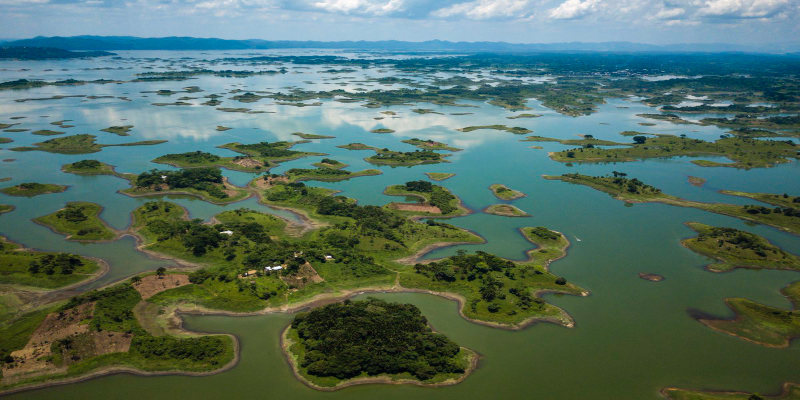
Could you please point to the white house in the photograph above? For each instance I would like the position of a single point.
(328, 257)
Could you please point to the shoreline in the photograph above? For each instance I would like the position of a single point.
(289, 357)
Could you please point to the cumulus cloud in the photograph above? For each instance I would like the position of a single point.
(573, 9)
(743, 9)
(485, 9)
(670, 13)
(369, 7)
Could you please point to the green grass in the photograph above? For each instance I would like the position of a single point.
(783, 200)
(441, 197)
(15, 332)
(15, 268)
(79, 221)
(397, 158)
(382, 130)
(31, 189)
(738, 249)
(759, 323)
(198, 159)
(504, 193)
(505, 210)
(326, 174)
(6, 208)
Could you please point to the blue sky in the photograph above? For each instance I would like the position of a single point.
(519, 21)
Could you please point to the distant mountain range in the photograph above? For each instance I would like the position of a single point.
(190, 43)
(42, 53)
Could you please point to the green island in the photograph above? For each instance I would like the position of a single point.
(586, 141)
(504, 193)
(30, 189)
(738, 249)
(398, 158)
(697, 181)
(372, 341)
(675, 119)
(203, 182)
(745, 152)
(79, 144)
(498, 292)
(200, 159)
(6, 208)
(4, 140)
(80, 221)
(635, 191)
(791, 391)
(430, 144)
(382, 130)
(273, 152)
(47, 132)
(329, 163)
(515, 130)
(327, 174)
(759, 323)
(43, 270)
(505, 210)
(432, 199)
(780, 200)
(119, 130)
(524, 115)
(439, 176)
(89, 167)
(308, 136)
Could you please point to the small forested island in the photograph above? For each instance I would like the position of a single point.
(79, 144)
(89, 167)
(372, 341)
(197, 159)
(31, 189)
(119, 130)
(745, 152)
(504, 193)
(759, 323)
(206, 183)
(434, 199)
(505, 210)
(382, 130)
(430, 144)
(79, 221)
(586, 141)
(329, 163)
(632, 190)
(738, 249)
(308, 136)
(398, 158)
(326, 174)
(5, 208)
(43, 270)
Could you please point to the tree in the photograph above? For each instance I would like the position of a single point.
(639, 139)
(561, 281)
(161, 271)
(136, 279)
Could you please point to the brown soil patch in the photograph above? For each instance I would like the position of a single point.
(426, 208)
(269, 181)
(31, 359)
(306, 275)
(248, 162)
(152, 284)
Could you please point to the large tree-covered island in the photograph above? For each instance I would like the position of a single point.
(372, 341)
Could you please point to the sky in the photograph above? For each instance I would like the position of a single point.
(518, 21)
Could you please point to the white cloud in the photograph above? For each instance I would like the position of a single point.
(485, 9)
(670, 13)
(742, 8)
(370, 7)
(572, 9)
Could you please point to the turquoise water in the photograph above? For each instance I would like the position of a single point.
(632, 337)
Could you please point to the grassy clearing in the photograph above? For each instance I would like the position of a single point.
(430, 145)
(505, 210)
(437, 196)
(79, 221)
(439, 176)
